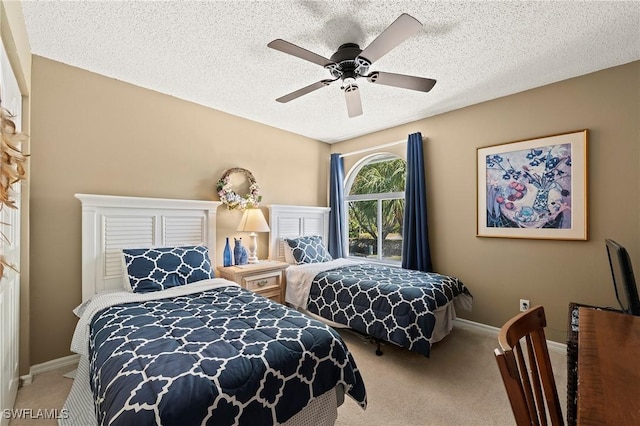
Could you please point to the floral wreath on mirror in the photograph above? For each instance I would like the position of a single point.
(234, 201)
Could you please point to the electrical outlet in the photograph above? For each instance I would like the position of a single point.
(524, 305)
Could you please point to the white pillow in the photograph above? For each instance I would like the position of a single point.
(288, 254)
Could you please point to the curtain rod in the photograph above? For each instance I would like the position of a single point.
(373, 148)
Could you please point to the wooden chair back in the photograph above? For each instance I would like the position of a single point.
(526, 369)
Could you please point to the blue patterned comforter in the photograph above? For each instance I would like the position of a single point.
(222, 356)
(388, 303)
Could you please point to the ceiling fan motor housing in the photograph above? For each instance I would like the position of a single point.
(346, 64)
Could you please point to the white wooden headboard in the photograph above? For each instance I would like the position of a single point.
(295, 221)
(111, 223)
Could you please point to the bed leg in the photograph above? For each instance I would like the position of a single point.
(378, 350)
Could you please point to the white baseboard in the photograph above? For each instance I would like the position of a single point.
(553, 346)
(54, 364)
(476, 326)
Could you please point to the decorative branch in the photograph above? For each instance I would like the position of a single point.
(12, 169)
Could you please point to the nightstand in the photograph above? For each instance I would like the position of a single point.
(266, 278)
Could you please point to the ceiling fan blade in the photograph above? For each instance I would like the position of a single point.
(401, 80)
(307, 89)
(292, 49)
(399, 30)
(354, 103)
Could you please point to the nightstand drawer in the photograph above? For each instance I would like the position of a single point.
(265, 278)
(263, 282)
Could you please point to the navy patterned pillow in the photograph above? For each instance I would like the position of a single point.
(159, 268)
(308, 249)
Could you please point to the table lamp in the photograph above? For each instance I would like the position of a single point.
(253, 221)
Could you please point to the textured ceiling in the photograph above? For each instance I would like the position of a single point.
(215, 53)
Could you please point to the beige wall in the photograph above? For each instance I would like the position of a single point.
(96, 135)
(93, 134)
(501, 271)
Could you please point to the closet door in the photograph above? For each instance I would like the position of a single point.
(10, 248)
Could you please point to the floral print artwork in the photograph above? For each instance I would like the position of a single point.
(530, 188)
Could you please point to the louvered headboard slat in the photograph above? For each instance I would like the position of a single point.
(111, 223)
(183, 230)
(288, 221)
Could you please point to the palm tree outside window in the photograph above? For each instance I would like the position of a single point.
(374, 204)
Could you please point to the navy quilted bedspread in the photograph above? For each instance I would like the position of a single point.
(223, 356)
(385, 302)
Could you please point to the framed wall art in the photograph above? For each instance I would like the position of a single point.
(534, 188)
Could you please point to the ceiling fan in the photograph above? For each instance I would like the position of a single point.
(350, 62)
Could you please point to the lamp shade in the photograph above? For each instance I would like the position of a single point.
(253, 221)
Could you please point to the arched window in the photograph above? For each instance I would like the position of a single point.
(374, 198)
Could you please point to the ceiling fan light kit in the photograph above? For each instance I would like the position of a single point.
(350, 63)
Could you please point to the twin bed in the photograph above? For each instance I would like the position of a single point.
(408, 308)
(162, 341)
